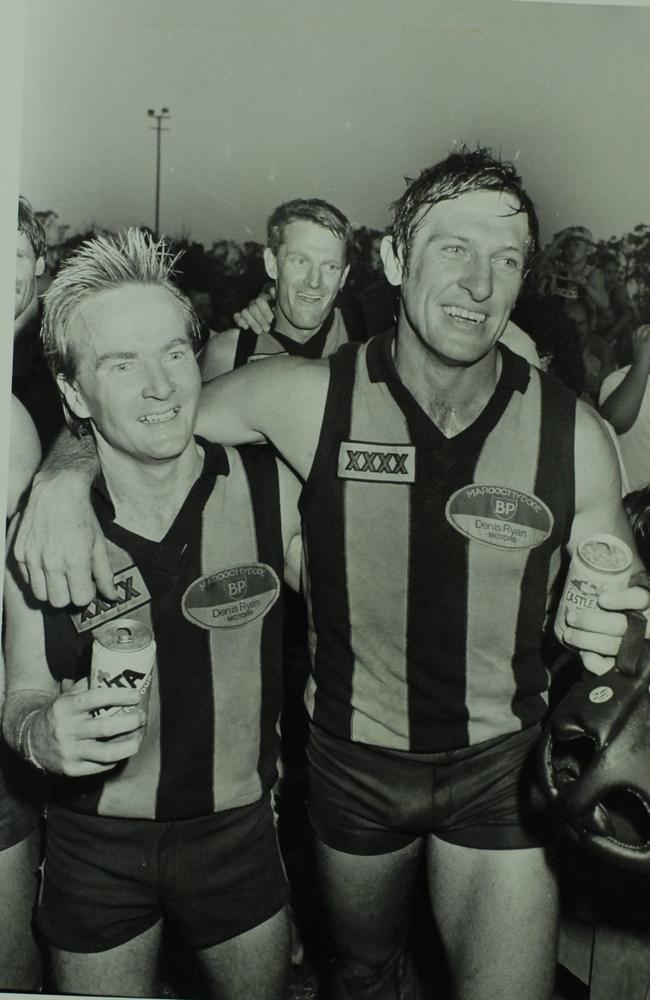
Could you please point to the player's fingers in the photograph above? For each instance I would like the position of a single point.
(57, 590)
(267, 314)
(592, 642)
(631, 598)
(111, 751)
(597, 664)
(35, 579)
(104, 697)
(102, 571)
(241, 320)
(598, 621)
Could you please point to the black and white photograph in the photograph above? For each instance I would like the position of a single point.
(327, 461)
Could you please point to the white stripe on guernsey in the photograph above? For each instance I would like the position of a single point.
(509, 458)
(228, 539)
(378, 600)
(336, 336)
(133, 791)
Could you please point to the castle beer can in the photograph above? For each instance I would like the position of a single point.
(600, 562)
(124, 653)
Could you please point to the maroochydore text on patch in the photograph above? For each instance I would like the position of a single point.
(500, 516)
(230, 597)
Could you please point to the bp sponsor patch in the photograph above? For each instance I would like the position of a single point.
(231, 597)
(133, 593)
(372, 462)
(500, 516)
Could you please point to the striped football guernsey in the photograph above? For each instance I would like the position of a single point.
(431, 560)
(209, 592)
(340, 327)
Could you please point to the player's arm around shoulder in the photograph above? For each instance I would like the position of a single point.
(598, 508)
(290, 489)
(218, 354)
(24, 455)
(278, 399)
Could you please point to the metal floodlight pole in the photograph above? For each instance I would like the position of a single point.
(160, 116)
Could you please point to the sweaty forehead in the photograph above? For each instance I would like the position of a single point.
(477, 211)
(301, 234)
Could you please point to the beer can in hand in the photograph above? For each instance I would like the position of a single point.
(600, 562)
(124, 653)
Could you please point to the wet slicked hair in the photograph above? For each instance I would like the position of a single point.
(31, 227)
(308, 210)
(459, 173)
(132, 257)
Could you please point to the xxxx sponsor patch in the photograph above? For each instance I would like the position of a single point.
(372, 462)
(231, 597)
(133, 593)
(500, 516)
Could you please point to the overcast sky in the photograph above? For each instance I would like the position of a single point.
(273, 99)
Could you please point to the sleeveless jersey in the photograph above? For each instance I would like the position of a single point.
(339, 328)
(209, 593)
(430, 561)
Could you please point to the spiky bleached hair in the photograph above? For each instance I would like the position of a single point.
(130, 257)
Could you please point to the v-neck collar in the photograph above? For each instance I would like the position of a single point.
(166, 552)
(514, 377)
(313, 347)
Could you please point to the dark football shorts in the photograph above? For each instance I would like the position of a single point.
(370, 800)
(107, 880)
(19, 811)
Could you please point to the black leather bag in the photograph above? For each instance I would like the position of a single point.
(594, 755)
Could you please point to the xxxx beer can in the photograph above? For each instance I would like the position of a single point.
(600, 562)
(124, 653)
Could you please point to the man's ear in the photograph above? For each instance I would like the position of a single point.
(40, 266)
(270, 263)
(344, 276)
(393, 266)
(72, 396)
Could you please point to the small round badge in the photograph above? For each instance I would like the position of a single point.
(600, 694)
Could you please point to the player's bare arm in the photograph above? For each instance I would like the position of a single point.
(596, 634)
(621, 407)
(60, 547)
(290, 487)
(50, 727)
(218, 355)
(281, 400)
(24, 455)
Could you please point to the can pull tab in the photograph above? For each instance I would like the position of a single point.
(124, 636)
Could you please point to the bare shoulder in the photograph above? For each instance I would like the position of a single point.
(24, 454)
(596, 462)
(218, 354)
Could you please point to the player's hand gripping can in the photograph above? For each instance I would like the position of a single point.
(124, 653)
(600, 562)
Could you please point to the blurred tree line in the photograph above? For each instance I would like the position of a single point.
(223, 277)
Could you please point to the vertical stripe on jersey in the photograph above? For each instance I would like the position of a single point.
(228, 539)
(556, 452)
(493, 611)
(382, 679)
(262, 473)
(246, 343)
(330, 648)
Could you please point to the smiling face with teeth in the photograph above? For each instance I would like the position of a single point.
(309, 270)
(136, 377)
(462, 277)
